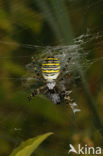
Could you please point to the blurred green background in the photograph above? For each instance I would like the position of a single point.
(24, 24)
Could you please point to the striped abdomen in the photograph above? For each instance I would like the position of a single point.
(50, 68)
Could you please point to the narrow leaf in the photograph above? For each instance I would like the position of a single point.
(28, 147)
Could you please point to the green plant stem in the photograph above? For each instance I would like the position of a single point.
(61, 16)
(46, 10)
(91, 104)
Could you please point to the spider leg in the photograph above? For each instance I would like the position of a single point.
(35, 92)
(71, 102)
(36, 69)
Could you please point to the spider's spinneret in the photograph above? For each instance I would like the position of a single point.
(50, 69)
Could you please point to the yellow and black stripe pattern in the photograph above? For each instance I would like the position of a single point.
(50, 68)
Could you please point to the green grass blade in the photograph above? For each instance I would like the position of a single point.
(48, 14)
(28, 147)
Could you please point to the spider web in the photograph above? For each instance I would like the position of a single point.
(67, 55)
(79, 50)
